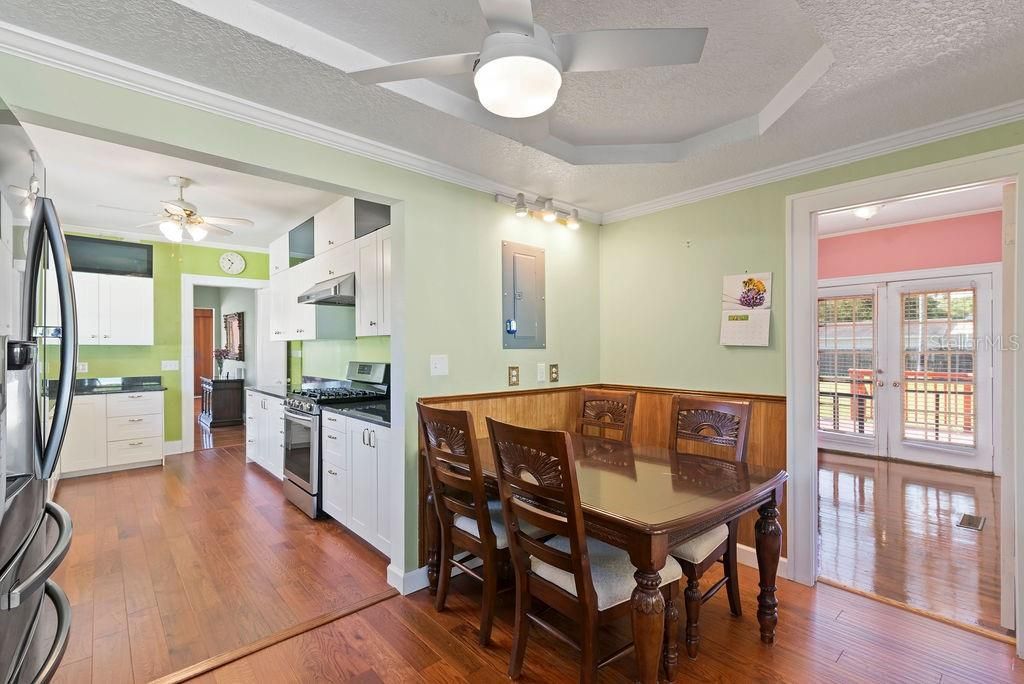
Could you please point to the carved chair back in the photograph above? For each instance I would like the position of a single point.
(537, 483)
(606, 410)
(709, 422)
(453, 467)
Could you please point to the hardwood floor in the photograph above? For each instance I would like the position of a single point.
(890, 529)
(824, 635)
(172, 565)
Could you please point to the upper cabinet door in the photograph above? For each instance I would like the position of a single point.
(280, 288)
(384, 241)
(335, 225)
(126, 310)
(301, 317)
(87, 304)
(367, 286)
(279, 255)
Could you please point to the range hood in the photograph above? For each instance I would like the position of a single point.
(340, 291)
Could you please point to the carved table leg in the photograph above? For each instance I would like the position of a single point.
(692, 597)
(671, 645)
(648, 622)
(768, 540)
(433, 542)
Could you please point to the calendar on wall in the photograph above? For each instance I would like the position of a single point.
(746, 310)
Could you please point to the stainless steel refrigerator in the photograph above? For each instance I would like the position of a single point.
(35, 533)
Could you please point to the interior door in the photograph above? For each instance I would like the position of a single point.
(202, 345)
(940, 387)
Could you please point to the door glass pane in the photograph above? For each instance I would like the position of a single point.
(846, 365)
(938, 367)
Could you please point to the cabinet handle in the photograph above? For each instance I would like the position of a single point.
(106, 337)
(134, 443)
(135, 420)
(332, 437)
(251, 441)
(332, 472)
(92, 336)
(330, 272)
(280, 432)
(373, 438)
(330, 242)
(365, 433)
(134, 396)
(373, 322)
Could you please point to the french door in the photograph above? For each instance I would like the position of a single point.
(905, 370)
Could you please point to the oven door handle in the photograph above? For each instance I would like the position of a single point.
(299, 417)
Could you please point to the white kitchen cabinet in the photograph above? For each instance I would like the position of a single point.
(336, 481)
(113, 432)
(301, 317)
(337, 262)
(373, 284)
(111, 309)
(271, 353)
(85, 446)
(290, 320)
(279, 255)
(334, 226)
(264, 432)
(368, 514)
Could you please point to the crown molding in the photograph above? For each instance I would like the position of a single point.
(968, 123)
(49, 51)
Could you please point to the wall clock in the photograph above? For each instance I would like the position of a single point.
(232, 263)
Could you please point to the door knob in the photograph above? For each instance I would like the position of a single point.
(881, 383)
(895, 383)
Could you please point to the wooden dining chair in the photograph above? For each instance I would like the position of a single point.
(582, 578)
(604, 410)
(708, 426)
(468, 521)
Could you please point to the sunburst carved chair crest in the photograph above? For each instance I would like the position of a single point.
(606, 413)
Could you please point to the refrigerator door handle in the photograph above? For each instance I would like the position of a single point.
(45, 227)
(60, 640)
(39, 576)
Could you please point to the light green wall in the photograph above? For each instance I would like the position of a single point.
(239, 300)
(169, 263)
(447, 241)
(661, 300)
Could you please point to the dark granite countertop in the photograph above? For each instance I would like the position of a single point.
(376, 412)
(138, 383)
(279, 391)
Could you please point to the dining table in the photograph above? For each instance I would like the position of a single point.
(646, 500)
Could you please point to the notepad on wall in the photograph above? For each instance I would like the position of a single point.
(745, 328)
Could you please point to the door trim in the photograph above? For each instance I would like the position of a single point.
(801, 332)
(213, 341)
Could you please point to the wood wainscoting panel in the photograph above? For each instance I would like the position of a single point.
(555, 408)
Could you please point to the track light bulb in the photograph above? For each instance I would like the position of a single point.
(549, 214)
(573, 222)
(522, 211)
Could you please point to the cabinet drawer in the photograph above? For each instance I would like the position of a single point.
(134, 427)
(333, 448)
(134, 404)
(134, 451)
(333, 421)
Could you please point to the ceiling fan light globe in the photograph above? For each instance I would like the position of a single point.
(171, 230)
(517, 86)
(28, 206)
(197, 232)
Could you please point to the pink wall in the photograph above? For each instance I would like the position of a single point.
(958, 241)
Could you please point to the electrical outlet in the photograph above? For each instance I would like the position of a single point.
(83, 366)
(439, 364)
(553, 372)
(513, 376)
(170, 365)
(542, 372)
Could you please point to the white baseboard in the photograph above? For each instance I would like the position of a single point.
(172, 448)
(408, 582)
(111, 469)
(748, 556)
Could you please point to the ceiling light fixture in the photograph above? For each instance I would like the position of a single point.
(171, 230)
(867, 212)
(548, 213)
(196, 231)
(522, 211)
(573, 222)
(518, 76)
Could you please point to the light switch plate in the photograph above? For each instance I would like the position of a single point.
(439, 364)
(542, 372)
(169, 365)
(513, 376)
(553, 372)
(83, 366)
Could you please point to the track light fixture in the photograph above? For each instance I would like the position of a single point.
(573, 222)
(522, 211)
(543, 208)
(549, 214)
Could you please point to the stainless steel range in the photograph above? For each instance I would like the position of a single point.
(364, 383)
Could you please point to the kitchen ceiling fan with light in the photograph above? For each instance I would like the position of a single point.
(179, 216)
(518, 70)
(29, 194)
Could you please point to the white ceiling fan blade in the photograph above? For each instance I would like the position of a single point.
(150, 223)
(217, 220)
(613, 49)
(428, 67)
(508, 16)
(216, 230)
(17, 192)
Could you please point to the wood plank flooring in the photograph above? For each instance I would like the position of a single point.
(890, 529)
(172, 565)
(824, 635)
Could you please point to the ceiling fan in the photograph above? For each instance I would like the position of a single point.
(30, 193)
(179, 216)
(518, 70)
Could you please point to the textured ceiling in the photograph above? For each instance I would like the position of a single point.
(897, 66)
(82, 174)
